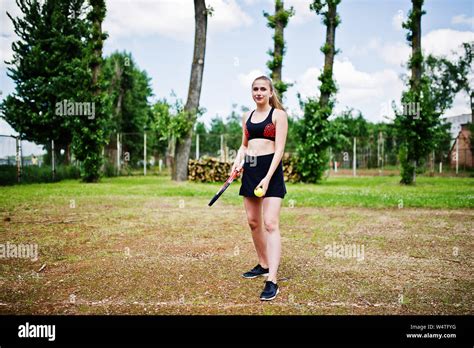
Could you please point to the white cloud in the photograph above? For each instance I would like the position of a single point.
(397, 20)
(7, 33)
(6, 52)
(360, 50)
(440, 42)
(173, 19)
(463, 19)
(444, 41)
(395, 53)
(302, 12)
(307, 84)
(369, 92)
(460, 105)
(246, 79)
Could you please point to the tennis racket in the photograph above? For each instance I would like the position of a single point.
(224, 187)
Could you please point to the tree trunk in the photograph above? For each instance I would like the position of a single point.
(278, 45)
(330, 45)
(67, 160)
(416, 62)
(98, 15)
(183, 146)
(118, 80)
(416, 68)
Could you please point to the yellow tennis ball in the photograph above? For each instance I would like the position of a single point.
(258, 192)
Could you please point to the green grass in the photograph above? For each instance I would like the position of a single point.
(128, 247)
(371, 192)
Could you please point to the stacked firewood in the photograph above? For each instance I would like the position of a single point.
(289, 168)
(209, 169)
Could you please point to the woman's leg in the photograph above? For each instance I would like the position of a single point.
(253, 207)
(271, 220)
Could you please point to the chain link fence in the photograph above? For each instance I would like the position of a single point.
(141, 154)
(380, 157)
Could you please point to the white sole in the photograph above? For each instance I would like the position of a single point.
(261, 275)
(271, 298)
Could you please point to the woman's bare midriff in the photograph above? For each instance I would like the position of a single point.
(260, 147)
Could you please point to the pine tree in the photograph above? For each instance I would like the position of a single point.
(47, 68)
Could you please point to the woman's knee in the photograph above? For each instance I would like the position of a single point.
(254, 223)
(271, 225)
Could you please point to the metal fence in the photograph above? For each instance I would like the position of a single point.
(138, 154)
(12, 154)
(381, 158)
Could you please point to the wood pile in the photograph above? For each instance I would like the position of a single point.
(209, 169)
(289, 168)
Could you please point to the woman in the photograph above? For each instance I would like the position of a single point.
(263, 144)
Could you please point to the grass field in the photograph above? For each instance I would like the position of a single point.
(135, 245)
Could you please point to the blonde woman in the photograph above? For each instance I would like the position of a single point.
(263, 144)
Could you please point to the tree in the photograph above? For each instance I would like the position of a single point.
(129, 89)
(451, 77)
(191, 109)
(278, 21)
(314, 135)
(90, 134)
(345, 127)
(414, 124)
(448, 78)
(47, 68)
(432, 86)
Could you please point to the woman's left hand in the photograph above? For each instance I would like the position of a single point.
(264, 184)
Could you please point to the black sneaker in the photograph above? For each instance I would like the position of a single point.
(255, 272)
(270, 291)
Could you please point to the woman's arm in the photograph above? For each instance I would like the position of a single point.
(243, 148)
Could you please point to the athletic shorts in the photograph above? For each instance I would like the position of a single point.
(255, 169)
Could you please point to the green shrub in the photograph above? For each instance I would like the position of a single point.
(36, 174)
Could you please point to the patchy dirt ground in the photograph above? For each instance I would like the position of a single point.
(143, 255)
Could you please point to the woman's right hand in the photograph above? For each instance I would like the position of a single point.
(236, 166)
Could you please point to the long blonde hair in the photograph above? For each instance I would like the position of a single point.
(274, 100)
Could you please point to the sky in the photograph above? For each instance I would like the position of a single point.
(373, 49)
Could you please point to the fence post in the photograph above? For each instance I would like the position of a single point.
(333, 159)
(144, 153)
(18, 159)
(118, 153)
(432, 163)
(383, 153)
(380, 154)
(53, 166)
(197, 147)
(440, 167)
(354, 155)
(222, 148)
(457, 156)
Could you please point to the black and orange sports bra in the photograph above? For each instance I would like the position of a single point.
(265, 129)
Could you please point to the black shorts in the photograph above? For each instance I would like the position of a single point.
(255, 169)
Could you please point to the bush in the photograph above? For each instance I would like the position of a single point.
(109, 169)
(407, 168)
(35, 174)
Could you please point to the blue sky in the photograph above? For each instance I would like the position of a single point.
(160, 35)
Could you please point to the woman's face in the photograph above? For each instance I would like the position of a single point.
(261, 92)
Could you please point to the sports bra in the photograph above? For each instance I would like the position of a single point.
(265, 129)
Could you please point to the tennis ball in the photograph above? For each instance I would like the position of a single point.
(258, 192)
